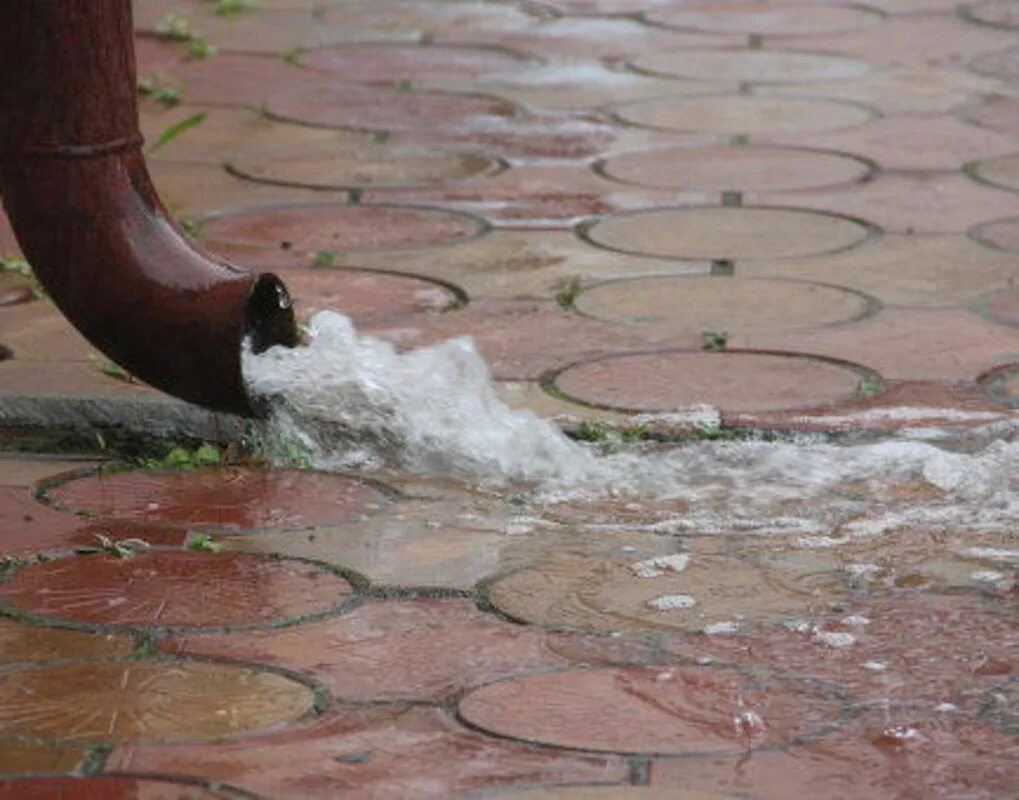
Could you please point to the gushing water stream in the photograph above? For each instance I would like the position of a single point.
(349, 401)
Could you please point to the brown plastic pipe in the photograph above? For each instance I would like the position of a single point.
(78, 194)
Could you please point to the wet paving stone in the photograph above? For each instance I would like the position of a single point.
(997, 13)
(693, 591)
(1002, 64)
(675, 711)
(723, 168)
(368, 297)
(396, 63)
(751, 66)
(21, 642)
(112, 787)
(726, 233)
(370, 109)
(159, 701)
(942, 143)
(235, 80)
(1001, 234)
(373, 753)
(459, 19)
(1002, 172)
(313, 228)
(451, 541)
(911, 647)
(908, 202)
(774, 20)
(589, 792)
(902, 270)
(1002, 306)
(894, 752)
(733, 381)
(26, 526)
(362, 167)
(221, 499)
(733, 114)
(28, 758)
(391, 651)
(172, 589)
(908, 89)
(997, 112)
(718, 303)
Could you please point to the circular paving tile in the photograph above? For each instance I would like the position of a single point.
(228, 499)
(1002, 64)
(435, 17)
(614, 793)
(147, 700)
(22, 642)
(362, 167)
(751, 66)
(341, 228)
(755, 19)
(732, 382)
(110, 787)
(998, 13)
(997, 113)
(1002, 385)
(679, 711)
(394, 63)
(1002, 306)
(368, 296)
(1001, 234)
(172, 589)
(724, 304)
(706, 590)
(749, 168)
(726, 233)
(1002, 172)
(359, 108)
(742, 114)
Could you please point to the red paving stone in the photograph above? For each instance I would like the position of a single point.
(675, 711)
(622, 150)
(173, 589)
(733, 382)
(308, 229)
(397, 650)
(110, 788)
(225, 499)
(372, 753)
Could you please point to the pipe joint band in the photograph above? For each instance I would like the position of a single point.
(75, 151)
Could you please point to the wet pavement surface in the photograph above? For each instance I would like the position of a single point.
(804, 215)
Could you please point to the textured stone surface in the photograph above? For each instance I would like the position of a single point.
(227, 498)
(172, 590)
(109, 787)
(751, 66)
(779, 19)
(110, 701)
(740, 381)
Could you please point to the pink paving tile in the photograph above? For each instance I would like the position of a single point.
(111, 788)
(997, 13)
(368, 297)
(674, 711)
(154, 56)
(752, 66)
(936, 143)
(27, 526)
(225, 499)
(372, 754)
(522, 339)
(1000, 234)
(236, 80)
(172, 589)
(374, 109)
(310, 228)
(907, 647)
(435, 19)
(774, 20)
(1003, 64)
(394, 63)
(914, 202)
(903, 753)
(392, 650)
(934, 40)
(733, 381)
(908, 344)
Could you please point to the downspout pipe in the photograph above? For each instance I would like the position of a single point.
(78, 194)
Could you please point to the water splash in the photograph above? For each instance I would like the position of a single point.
(349, 401)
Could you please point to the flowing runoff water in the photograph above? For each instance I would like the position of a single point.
(351, 401)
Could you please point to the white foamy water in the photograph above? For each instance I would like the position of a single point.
(349, 401)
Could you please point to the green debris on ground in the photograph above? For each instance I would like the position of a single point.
(179, 457)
